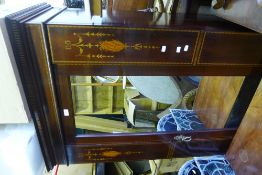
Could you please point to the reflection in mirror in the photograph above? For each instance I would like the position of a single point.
(116, 104)
(182, 166)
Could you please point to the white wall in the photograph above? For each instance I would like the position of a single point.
(13, 106)
(249, 16)
(19, 148)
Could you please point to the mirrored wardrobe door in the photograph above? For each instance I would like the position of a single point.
(139, 104)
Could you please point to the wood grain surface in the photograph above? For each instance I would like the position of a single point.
(215, 99)
(118, 50)
(138, 146)
(245, 151)
(130, 42)
(233, 49)
(36, 38)
(88, 44)
(130, 5)
(17, 32)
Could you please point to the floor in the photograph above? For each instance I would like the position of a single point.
(76, 169)
(20, 150)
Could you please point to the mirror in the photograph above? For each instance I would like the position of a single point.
(119, 104)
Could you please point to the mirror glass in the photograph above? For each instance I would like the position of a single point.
(130, 104)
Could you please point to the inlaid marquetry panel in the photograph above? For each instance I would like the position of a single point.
(154, 146)
(88, 44)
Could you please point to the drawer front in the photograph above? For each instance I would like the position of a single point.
(231, 49)
(149, 146)
(119, 45)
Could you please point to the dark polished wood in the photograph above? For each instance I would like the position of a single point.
(30, 79)
(120, 46)
(66, 102)
(145, 69)
(122, 50)
(231, 49)
(148, 146)
(36, 39)
(129, 39)
(88, 44)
